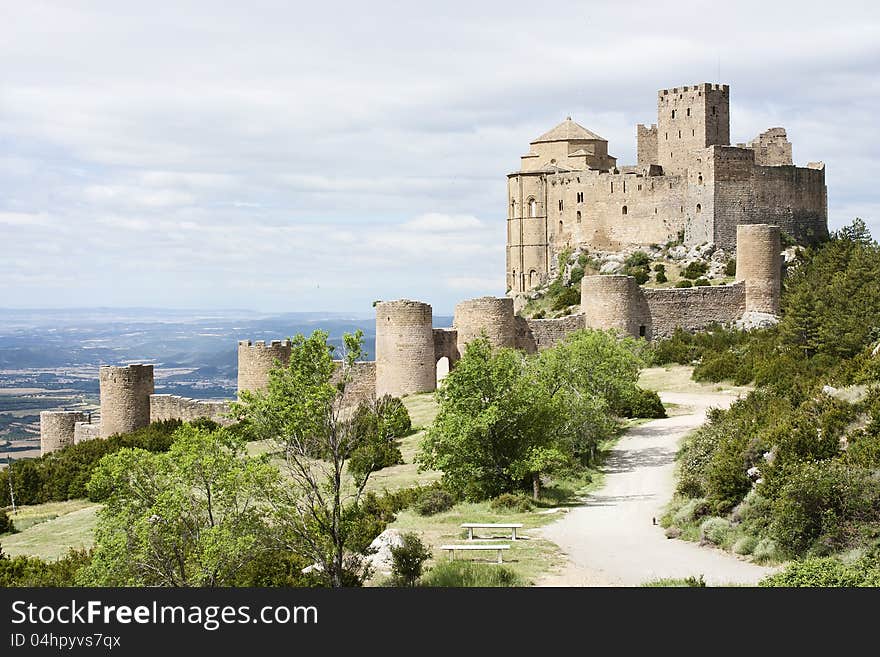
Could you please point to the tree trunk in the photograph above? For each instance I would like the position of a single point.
(536, 485)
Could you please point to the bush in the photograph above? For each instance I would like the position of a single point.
(660, 267)
(32, 571)
(63, 474)
(685, 582)
(745, 545)
(408, 560)
(641, 403)
(691, 510)
(730, 267)
(512, 502)
(701, 282)
(814, 572)
(433, 501)
(660, 277)
(715, 530)
(684, 283)
(460, 574)
(6, 525)
(766, 550)
(695, 269)
(568, 296)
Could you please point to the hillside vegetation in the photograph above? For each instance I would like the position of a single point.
(792, 470)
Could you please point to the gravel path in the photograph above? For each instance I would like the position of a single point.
(611, 539)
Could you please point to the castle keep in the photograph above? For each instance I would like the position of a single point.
(688, 180)
(568, 192)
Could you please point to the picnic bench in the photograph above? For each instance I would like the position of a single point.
(472, 546)
(471, 526)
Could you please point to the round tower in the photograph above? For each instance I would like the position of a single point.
(57, 429)
(759, 265)
(125, 398)
(404, 348)
(256, 359)
(492, 315)
(615, 302)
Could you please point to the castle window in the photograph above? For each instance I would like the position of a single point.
(681, 209)
(700, 179)
(560, 228)
(693, 133)
(623, 210)
(560, 205)
(640, 188)
(713, 110)
(624, 187)
(670, 184)
(689, 111)
(612, 187)
(533, 278)
(667, 136)
(533, 208)
(679, 134)
(579, 216)
(699, 208)
(673, 114)
(642, 331)
(655, 210)
(580, 197)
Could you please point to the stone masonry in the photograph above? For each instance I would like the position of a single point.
(688, 181)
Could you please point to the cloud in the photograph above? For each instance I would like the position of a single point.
(206, 158)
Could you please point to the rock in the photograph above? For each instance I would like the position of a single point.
(615, 257)
(755, 320)
(673, 532)
(381, 560)
(678, 252)
(753, 472)
(719, 256)
(610, 267)
(706, 249)
(829, 390)
(876, 350)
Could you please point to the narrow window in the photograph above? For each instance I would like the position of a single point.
(533, 208)
(579, 216)
(699, 208)
(673, 114)
(689, 111)
(655, 210)
(560, 228)
(667, 136)
(693, 133)
(670, 184)
(679, 134)
(612, 187)
(560, 205)
(713, 110)
(700, 179)
(624, 187)
(681, 209)
(642, 331)
(623, 210)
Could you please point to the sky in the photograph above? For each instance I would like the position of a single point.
(290, 156)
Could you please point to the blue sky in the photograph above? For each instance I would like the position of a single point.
(288, 156)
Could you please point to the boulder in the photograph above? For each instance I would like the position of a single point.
(381, 559)
(719, 256)
(754, 320)
(610, 267)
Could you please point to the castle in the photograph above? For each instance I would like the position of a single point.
(688, 181)
(741, 197)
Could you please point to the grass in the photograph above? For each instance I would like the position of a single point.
(52, 538)
(681, 582)
(677, 378)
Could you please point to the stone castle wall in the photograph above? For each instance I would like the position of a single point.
(615, 302)
(446, 344)
(57, 429)
(86, 431)
(255, 359)
(125, 398)
(405, 361)
(361, 387)
(172, 407)
(772, 148)
(489, 316)
(646, 143)
(759, 265)
(693, 308)
(689, 118)
(537, 334)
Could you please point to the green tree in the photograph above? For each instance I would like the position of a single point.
(408, 560)
(318, 511)
(187, 517)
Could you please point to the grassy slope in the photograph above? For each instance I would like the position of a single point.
(63, 525)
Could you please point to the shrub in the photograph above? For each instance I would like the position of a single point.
(577, 274)
(641, 403)
(766, 550)
(730, 267)
(433, 501)
(690, 511)
(539, 315)
(695, 269)
(745, 545)
(660, 267)
(460, 574)
(569, 296)
(684, 283)
(701, 282)
(32, 571)
(512, 502)
(637, 259)
(408, 560)
(660, 277)
(6, 525)
(827, 571)
(685, 582)
(715, 530)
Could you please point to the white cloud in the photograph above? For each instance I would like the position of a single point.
(204, 157)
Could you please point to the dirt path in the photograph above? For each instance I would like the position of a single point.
(611, 539)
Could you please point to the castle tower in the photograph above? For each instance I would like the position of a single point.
(57, 429)
(405, 361)
(491, 315)
(125, 398)
(689, 118)
(615, 302)
(759, 264)
(256, 359)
